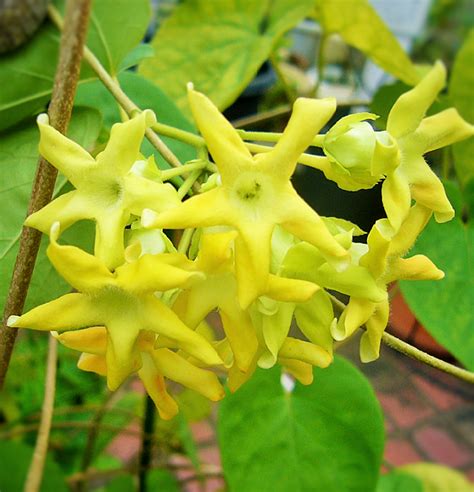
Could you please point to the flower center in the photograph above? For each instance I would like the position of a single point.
(249, 187)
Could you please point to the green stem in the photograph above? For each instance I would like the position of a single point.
(184, 169)
(188, 183)
(415, 353)
(146, 451)
(60, 108)
(35, 472)
(185, 241)
(178, 134)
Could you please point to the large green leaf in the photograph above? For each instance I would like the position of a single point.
(146, 95)
(26, 75)
(218, 45)
(445, 306)
(460, 90)
(328, 436)
(15, 458)
(360, 26)
(18, 158)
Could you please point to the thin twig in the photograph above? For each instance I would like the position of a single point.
(114, 88)
(263, 116)
(415, 353)
(146, 449)
(60, 108)
(35, 472)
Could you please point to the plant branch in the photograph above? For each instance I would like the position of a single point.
(35, 472)
(60, 108)
(415, 353)
(146, 449)
(114, 88)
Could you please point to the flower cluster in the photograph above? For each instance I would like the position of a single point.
(259, 256)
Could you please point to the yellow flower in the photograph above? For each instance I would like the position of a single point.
(218, 289)
(416, 135)
(124, 302)
(358, 157)
(384, 263)
(157, 364)
(107, 190)
(256, 193)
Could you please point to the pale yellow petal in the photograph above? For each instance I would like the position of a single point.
(418, 267)
(155, 386)
(93, 363)
(307, 118)
(123, 147)
(301, 371)
(178, 369)
(223, 141)
(91, 340)
(410, 108)
(109, 237)
(396, 198)
(62, 153)
(375, 326)
(84, 272)
(310, 353)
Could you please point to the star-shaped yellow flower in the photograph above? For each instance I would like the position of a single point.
(157, 364)
(358, 157)
(256, 193)
(416, 135)
(106, 189)
(124, 302)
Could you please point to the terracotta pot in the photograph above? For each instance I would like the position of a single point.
(404, 325)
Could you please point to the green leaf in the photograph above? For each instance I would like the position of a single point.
(399, 482)
(146, 95)
(135, 56)
(27, 74)
(360, 26)
(15, 458)
(18, 159)
(438, 478)
(327, 436)
(444, 307)
(460, 90)
(218, 45)
(162, 480)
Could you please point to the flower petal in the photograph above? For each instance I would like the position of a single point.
(143, 193)
(66, 156)
(290, 289)
(307, 118)
(69, 312)
(443, 129)
(178, 369)
(396, 198)
(301, 371)
(223, 141)
(370, 340)
(83, 271)
(123, 147)
(91, 340)
(66, 209)
(410, 108)
(93, 363)
(161, 320)
(418, 267)
(155, 386)
(109, 236)
(293, 348)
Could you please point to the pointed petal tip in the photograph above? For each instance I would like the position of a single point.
(42, 119)
(12, 320)
(150, 117)
(190, 86)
